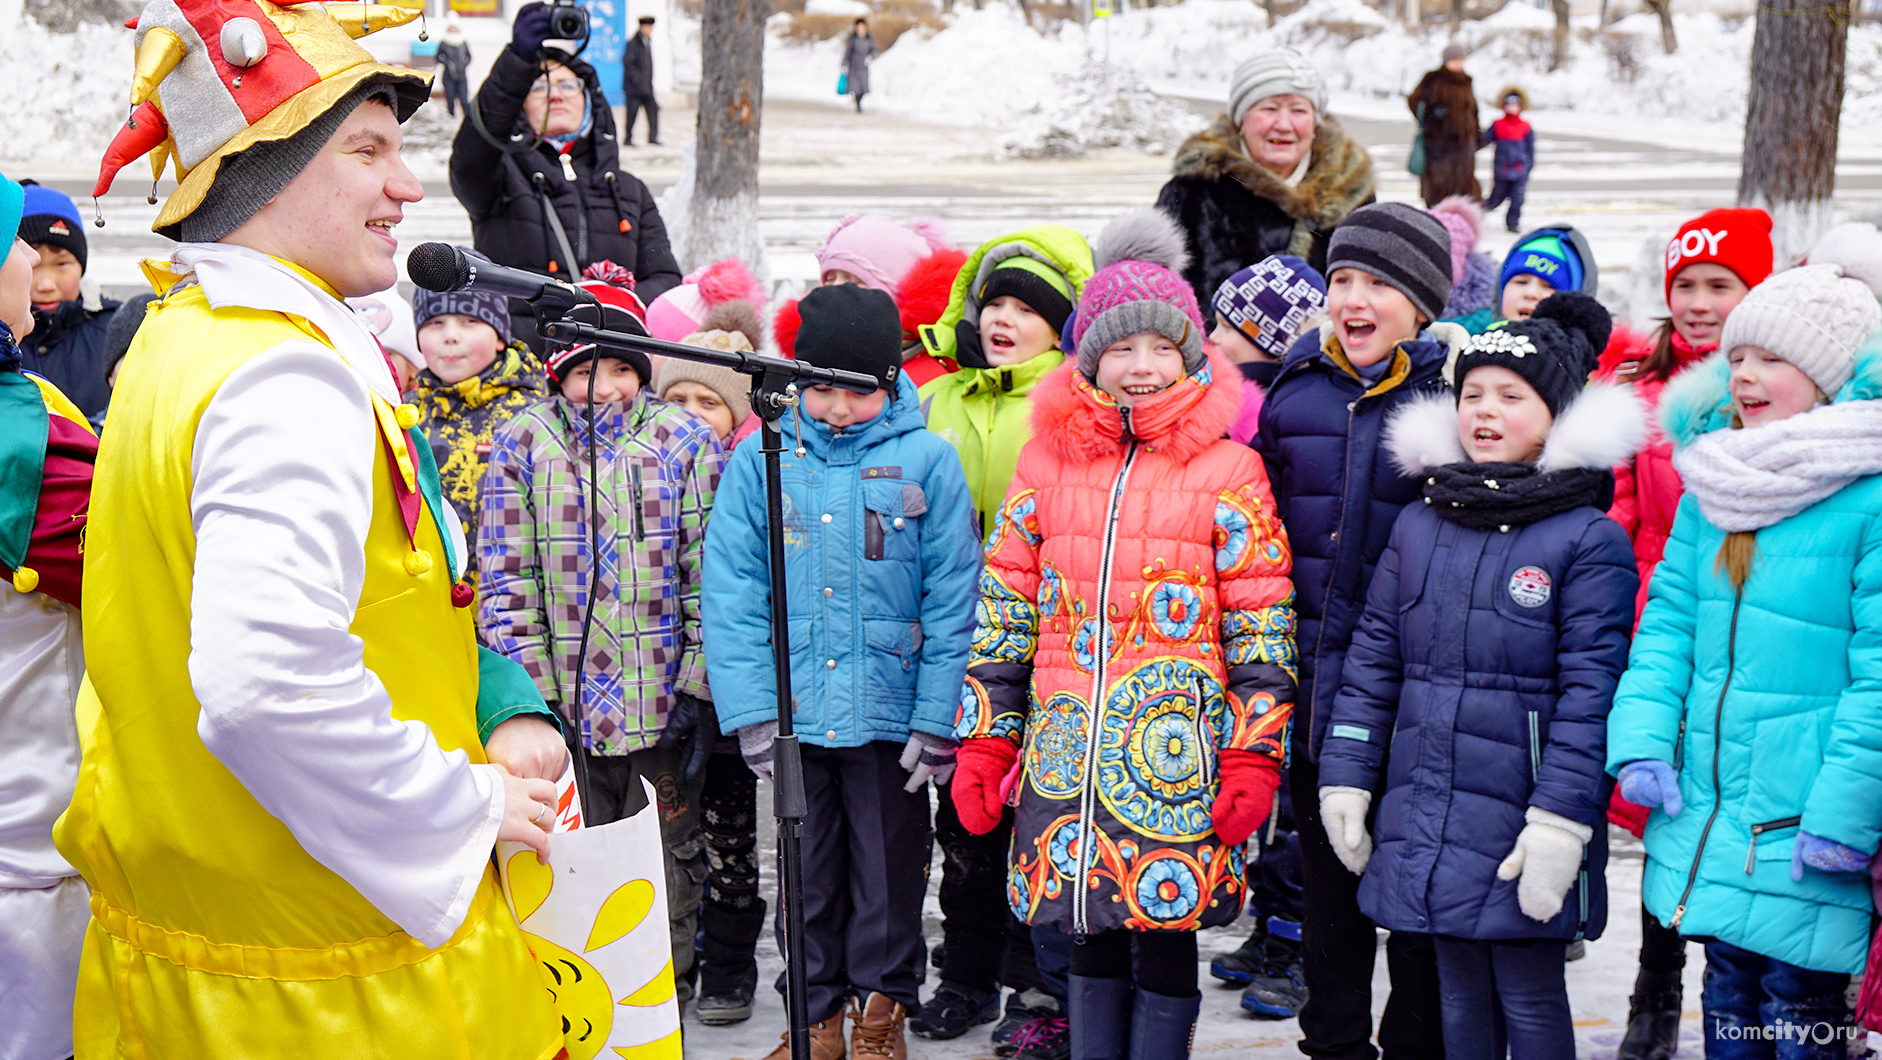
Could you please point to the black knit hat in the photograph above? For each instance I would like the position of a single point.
(1403, 246)
(1554, 350)
(852, 328)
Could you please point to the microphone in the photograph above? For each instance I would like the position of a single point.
(443, 268)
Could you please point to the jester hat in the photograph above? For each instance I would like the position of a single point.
(217, 77)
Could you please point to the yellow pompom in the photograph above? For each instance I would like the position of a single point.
(417, 562)
(25, 580)
(407, 416)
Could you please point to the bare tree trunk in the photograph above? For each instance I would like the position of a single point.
(1603, 21)
(722, 214)
(1268, 6)
(1457, 16)
(1792, 118)
(1560, 51)
(1664, 9)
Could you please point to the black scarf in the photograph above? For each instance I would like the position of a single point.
(1499, 496)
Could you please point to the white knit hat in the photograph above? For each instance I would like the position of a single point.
(1817, 315)
(1276, 72)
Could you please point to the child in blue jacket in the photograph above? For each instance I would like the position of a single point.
(1388, 275)
(882, 558)
(1750, 717)
(1515, 156)
(1495, 631)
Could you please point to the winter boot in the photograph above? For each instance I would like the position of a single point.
(1278, 991)
(954, 1010)
(1162, 1028)
(1101, 1017)
(1652, 1018)
(1242, 965)
(728, 971)
(1044, 1038)
(878, 1029)
(826, 1041)
(1023, 1008)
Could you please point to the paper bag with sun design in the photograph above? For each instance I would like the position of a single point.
(596, 918)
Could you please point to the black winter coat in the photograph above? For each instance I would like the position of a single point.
(455, 60)
(637, 68)
(68, 347)
(1338, 492)
(1234, 213)
(607, 213)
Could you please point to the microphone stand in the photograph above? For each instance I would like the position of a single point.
(775, 385)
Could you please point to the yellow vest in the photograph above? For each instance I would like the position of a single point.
(213, 933)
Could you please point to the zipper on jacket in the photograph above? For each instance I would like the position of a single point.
(635, 496)
(1718, 720)
(1679, 745)
(1101, 652)
(1320, 638)
(1751, 853)
(1535, 746)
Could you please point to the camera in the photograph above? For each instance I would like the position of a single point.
(567, 21)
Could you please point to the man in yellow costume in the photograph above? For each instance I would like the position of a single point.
(296, 761)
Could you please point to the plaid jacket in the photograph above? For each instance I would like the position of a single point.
(658, 467)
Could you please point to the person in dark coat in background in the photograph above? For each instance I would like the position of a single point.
(1272, 175)
(858, 52)
(637, 84)
(1494, 636)
(1446, 108)
(454, 58)
(67, 345)
(541, 130)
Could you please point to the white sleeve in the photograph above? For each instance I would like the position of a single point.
(281, 501)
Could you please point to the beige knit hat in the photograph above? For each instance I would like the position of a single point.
(733, 388)
(1817, 315)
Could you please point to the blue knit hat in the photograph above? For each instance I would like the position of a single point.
(1270, 300)
(49, 218)
(1548, 253)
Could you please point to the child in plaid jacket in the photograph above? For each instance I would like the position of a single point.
(656, 468)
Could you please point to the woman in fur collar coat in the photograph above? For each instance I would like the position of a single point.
(1272, 175)
(1446, 107)
(1494, 635)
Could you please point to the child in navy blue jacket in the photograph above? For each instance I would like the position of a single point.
(1495, 633)
(1388, 275)
(882, 555)
(1515, 156)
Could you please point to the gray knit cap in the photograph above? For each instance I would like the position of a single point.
(1403, 246)
(249, 178)
(1280, 72)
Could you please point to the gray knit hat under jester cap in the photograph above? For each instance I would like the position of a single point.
(1138, 287)
(1405, 247)
(1554, 351)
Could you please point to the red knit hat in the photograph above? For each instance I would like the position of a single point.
(1740, 240)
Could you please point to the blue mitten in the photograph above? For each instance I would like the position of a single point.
(1825, 855)
(529, 30)
(1650, 782)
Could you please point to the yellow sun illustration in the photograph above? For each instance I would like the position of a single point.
(582, 997)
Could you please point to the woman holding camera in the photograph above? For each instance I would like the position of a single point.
(537, 167)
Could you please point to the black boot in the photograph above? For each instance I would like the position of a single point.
(1240, 966)
(1162, 1028)
(728, 972)
(1101, 1013)
(1652, 1018)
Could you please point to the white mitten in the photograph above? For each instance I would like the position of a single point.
(1343, 811)
(1548, 858)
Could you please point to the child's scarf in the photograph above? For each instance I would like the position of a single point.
(1757, 477)
(1499, 496)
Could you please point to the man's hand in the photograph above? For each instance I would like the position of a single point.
(529, 747)
(528, 811)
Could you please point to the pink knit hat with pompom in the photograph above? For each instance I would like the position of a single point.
(682, 310)
(1463, 220)
(879, 250)
(1138, 287)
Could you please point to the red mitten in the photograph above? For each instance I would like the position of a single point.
(1626, 814)
(1245, 796)
(981, 765)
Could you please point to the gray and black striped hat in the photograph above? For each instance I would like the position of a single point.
(1402, 245)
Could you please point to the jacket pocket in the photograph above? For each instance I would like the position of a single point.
(892, 514)
(1772, 850)
(894, 652)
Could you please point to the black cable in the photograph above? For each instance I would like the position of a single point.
(591, 495)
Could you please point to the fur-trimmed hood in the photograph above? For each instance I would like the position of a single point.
(1339, 174)
(1602, 427)
(1699, 400)
(1080, 423)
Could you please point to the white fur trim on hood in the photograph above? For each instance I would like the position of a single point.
(1602, 427)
